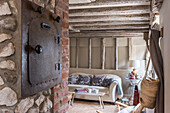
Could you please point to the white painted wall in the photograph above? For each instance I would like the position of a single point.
(165, 22)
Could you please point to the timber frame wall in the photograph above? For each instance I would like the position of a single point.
(105, 53)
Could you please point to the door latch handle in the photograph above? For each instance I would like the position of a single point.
(38, 49)
(58, 66)
(57, 39)
(45, 26)
(39, 10)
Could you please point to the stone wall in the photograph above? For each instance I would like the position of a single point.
(51, 100)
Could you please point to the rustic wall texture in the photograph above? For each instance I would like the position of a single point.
(51, 100)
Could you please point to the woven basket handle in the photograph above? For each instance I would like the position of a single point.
(147, 67)
(147, 45)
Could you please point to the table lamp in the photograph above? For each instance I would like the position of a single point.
(135, 64)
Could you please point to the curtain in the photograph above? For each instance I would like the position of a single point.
(157, 61)
(157, 4)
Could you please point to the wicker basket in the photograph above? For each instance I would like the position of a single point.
(149, 88)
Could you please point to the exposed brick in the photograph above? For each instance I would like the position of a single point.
(65, 75)
(65, 58)
(66, 17)
(65, 41)
(65, 91)
(65, 66)
(65, 100)
(66, 34)
(56, 106)
(59, 13)
(60, 94)
(61, 91)
(56, 88)
(55, 97)
(66, 1)
(65, 50)
(63, 109)
(65, 25)
(62, 5)
(61, 102)
(64, 84)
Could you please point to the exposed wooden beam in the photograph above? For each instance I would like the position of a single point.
(130, 48)
(105, 3)
(103, 23)
(110, 11)
(112, 37)
(112, 27)
(90, 53)
(116, 52)
(80, 1)
(106, 34)
(111, 18)
(116, 31)
(77, 52)
(72, 29)
(103, 52)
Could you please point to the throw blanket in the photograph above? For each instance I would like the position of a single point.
(119, 88)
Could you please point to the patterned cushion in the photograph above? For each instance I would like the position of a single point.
(107, 82)
(97, 80)
(73, 79)
(85, 79)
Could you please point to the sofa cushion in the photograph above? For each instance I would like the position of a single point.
(107, 82)
(85, 80)
(73, 79)
(97, 80)
(87, 86)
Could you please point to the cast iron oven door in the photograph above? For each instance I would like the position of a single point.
(43, 52)
(41, 49)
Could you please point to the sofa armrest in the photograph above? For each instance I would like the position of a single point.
(112, 91)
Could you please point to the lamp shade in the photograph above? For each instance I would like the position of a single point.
(134, 63)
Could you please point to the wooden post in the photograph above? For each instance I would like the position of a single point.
(103, 53)
(77, 52)
(89, 53)
(130, 49)
(116, 58)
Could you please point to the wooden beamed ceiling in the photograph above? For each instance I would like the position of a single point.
(109, 18)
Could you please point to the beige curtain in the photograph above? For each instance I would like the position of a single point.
(157, 61)
(157, 4)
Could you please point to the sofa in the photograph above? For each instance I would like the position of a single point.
(109, 83)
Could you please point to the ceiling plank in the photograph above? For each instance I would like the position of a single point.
(72, 29)
(104, 4)
(111, 37)
(115, 31)
(103, 23)
(104, 34)
(110, 11)
(133, 26)
(109, 18)
(109, 23)
(80, 1)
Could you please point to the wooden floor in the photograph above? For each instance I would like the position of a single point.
(90, 107)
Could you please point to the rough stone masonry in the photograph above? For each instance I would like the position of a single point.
(51, 100)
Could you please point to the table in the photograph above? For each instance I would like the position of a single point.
(71, 98)
(100, 95)
(133, 82)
